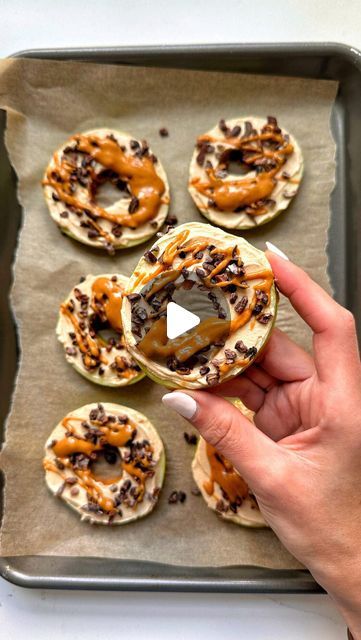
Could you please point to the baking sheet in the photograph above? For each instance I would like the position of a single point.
(47, 102)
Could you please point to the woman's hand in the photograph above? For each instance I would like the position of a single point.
(303, 461)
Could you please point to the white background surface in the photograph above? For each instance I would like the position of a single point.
(69, 23)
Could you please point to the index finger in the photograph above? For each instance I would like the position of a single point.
(333, 325)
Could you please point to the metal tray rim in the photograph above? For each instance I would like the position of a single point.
(298, 581)
(329, 47)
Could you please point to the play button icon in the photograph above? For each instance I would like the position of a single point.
(179, 320)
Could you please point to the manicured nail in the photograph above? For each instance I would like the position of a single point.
(276, 250)
(180, 402)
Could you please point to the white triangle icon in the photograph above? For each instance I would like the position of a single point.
(179, 320)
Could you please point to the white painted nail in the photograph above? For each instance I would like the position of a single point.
(276, 250)
(180, 402)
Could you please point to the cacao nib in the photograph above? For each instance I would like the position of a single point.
(133, 297)
(251, 352)
(212, 379)
(133, 205)
(257, 309)
(265, 318)
(235, 131)
(221, 506)
(241, 347)
(173, 498)
(190, 438)
(222, 125)
(272, 121)
(200, 273)
(150, 257)
(204, 370)
(201, 157)
(241, 305)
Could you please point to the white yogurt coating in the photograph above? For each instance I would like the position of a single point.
(253, 334)
(110, 376)
(248, 513)
(71, 225)
(282, 195)
(78, 502)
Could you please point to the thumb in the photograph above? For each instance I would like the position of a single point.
(257, 458)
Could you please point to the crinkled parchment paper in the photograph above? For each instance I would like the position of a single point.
(47, 102)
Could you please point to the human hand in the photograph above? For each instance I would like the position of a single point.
(303, 459)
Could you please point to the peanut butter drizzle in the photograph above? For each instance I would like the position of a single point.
(116, 435)
(169, 254)
(155, 342)
(69, 445)
(168, 276)
(109, 295)
(86, 482)
(229, 195)
(134, 471)
(84, 341)
(139, 173)
(267, 280)
(224, 474)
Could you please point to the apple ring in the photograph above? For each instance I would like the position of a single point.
(107, 462)
(84, 163)
(90, 329)
(222, 487)
(271, 167)
(233, 276)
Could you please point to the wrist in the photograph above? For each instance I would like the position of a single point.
(343, 585)
(352, 618)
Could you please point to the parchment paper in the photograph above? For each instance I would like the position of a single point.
(47, 102)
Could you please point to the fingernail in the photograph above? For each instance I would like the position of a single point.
(180, 402)
(276, 250)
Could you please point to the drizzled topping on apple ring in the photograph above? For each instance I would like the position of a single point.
(242, 169)
(240, 293)
(102, 460)
(90, 329)
(83, 165)
(221, 485)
